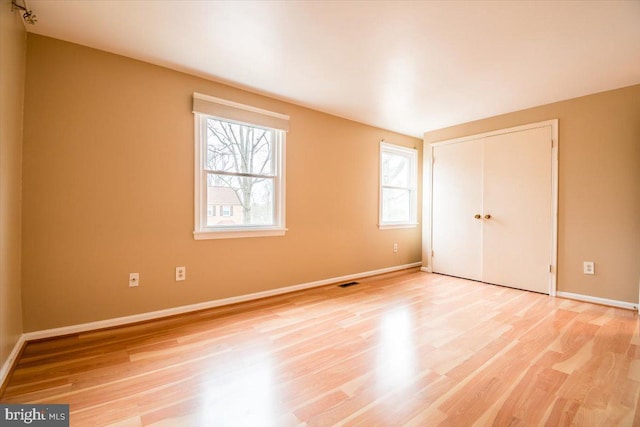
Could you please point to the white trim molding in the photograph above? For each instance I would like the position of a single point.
(12, 359)
(119, 321)
(242, 113)
(598, 300)
(392, 226)
(238, 234)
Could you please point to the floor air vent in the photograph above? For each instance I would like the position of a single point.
(346, 285)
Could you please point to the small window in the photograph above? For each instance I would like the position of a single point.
(240, 167)
(398, 186)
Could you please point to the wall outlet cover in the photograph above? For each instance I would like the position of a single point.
(588, 267)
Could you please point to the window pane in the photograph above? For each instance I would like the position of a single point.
(396, 205)
(239, 148)
(395, 170)
(243, 200)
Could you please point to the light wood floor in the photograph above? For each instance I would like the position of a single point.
(411, 349)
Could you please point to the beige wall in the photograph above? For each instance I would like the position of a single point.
(12, 61)
(108, 190)
(599, 187)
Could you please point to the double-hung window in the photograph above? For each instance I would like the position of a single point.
(240, 165)
(398, 186)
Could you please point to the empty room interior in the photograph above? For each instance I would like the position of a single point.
(310, 213)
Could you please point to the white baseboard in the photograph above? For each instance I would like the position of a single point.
(426, 269)
(597, 300)
(119, 321)
(13, 356)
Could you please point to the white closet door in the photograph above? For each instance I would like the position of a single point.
(516, 243)
(457, 197)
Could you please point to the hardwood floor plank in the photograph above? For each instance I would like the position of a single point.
(563, 412)
(536, 390)
(410, 349)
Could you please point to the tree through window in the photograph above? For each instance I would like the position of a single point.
(240, 172)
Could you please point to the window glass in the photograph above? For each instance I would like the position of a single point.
(398, 186)
(242, 174)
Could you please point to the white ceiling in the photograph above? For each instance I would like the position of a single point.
(404, 66)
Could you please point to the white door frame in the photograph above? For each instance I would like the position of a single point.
(427, 232)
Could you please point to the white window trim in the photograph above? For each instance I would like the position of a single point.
(412, 153)
(201, 231)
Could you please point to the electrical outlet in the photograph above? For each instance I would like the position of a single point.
(395, 247)
(134, 279)
(181, 274)
(588, 267)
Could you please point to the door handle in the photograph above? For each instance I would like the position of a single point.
(477, 216)
(487, 216)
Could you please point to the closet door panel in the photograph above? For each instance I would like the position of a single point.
(516, 243)
(457, 197)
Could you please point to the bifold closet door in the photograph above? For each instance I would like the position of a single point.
(457, 198)
(516, 244)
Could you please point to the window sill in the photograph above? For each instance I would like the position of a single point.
(392, 226)
(238, 233)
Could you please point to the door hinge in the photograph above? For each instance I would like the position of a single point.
(552, 143)
(550, 269)
(433, 253)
